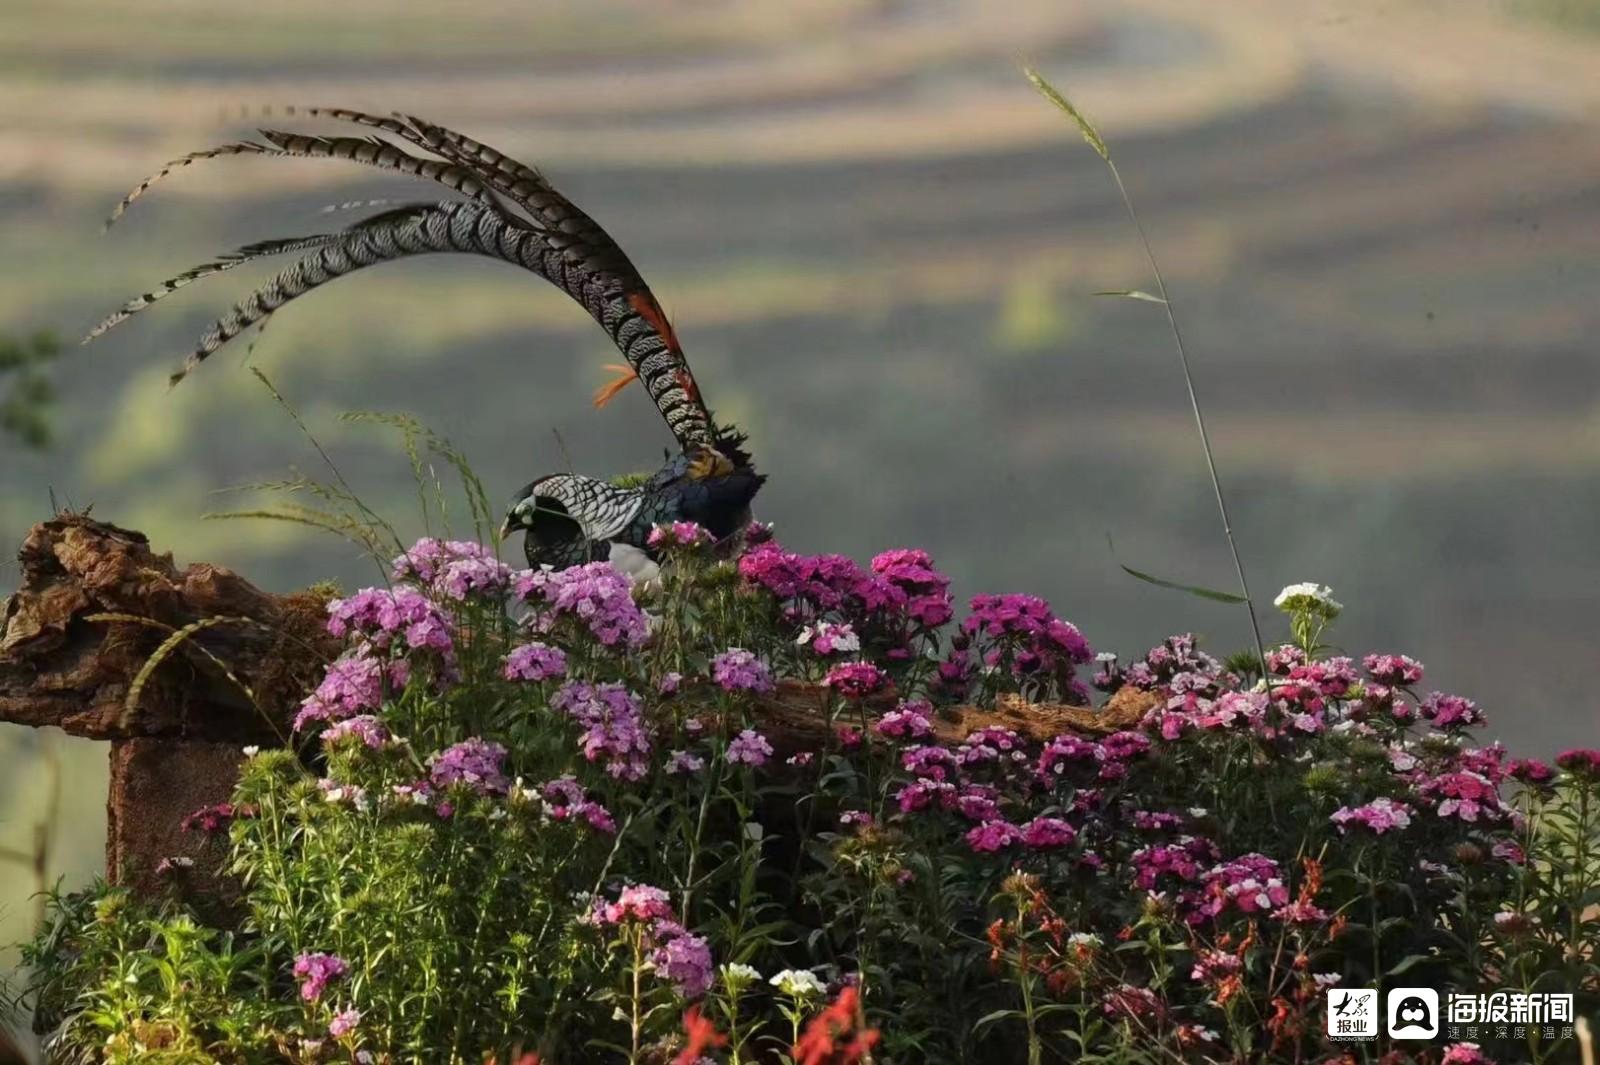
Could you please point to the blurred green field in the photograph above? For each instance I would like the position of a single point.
(1381, 222)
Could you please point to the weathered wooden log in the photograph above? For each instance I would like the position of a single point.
(95, 604)
(176, 746)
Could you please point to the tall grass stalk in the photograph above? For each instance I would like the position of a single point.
(1092, 135)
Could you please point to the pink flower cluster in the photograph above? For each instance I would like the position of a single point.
(353, 684)
(597, 595)
(535, 662)
(738, 670)
(475, 763)
(1580, 762)
(856, 680)
(565, 800)
(908, 721)
(613, 726)
(923, 593)
(387, 617)
(1450, 713)
(363, 729)
(1465, 795)
(1378, 816)
(217, 818)
(680, 534)
(680, 956)
(1252, 884)
(454, 569)
(902, 585)
(316, 971)
(749, 748)
(1394, 670)
(1023, 624)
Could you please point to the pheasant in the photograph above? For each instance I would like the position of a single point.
(506, 211)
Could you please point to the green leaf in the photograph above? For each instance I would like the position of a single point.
(1130, 293)
(1192, 589)
(1049, 92)
(1410, 961)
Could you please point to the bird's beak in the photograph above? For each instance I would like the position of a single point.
(507, 528)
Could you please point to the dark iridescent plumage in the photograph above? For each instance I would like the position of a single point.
(511, 213)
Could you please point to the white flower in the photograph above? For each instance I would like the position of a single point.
(1084, 939)
(1198, 811)
(798, 983)
(251, 752)
(736, 976)
(1310, 597)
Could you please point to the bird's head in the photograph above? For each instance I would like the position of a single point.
(568, 518)
(544, 510)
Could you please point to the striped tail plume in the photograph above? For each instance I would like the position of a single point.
(511, 213)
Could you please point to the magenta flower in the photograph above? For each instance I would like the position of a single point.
(1393, 670)
(475, 763)
(1213, 966)
(353, 684)
(535, 662)
(827, 638)
(908, 721)
(454, 569)
(1530, 771)
(749, 748)
(680, 534)
(682, 763)
(1450, 712)
(1065, 751)
(683, 958)
(566, 800)
(391, 617)
(1182, 862)
(1580, 762)
(738, 670)
(993, 836)
(636, 902)
(1043, 833)
(1464, 795)
(1037, 638)
(933, 763)
(1378, 816)
(363, 728)
(217, 818)
(344, 1022)
(856, 680)
(596, 595)
(1465, 1054)
(316, 971)
(1252, 883)
(613, 726)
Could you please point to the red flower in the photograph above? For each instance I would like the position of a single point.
(830, 1037)
(702, 1035)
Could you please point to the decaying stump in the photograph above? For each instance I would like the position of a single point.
(177, 746)
(95, 604)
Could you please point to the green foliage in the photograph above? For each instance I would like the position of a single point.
(25, 406)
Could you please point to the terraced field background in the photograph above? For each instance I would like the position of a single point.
(1380, 219)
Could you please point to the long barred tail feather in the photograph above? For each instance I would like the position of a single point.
(481, 230)
(557, 241)
(236, 148)
(239, 257)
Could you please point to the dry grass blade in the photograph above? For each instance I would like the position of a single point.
(1049, 92)
(176, 638)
